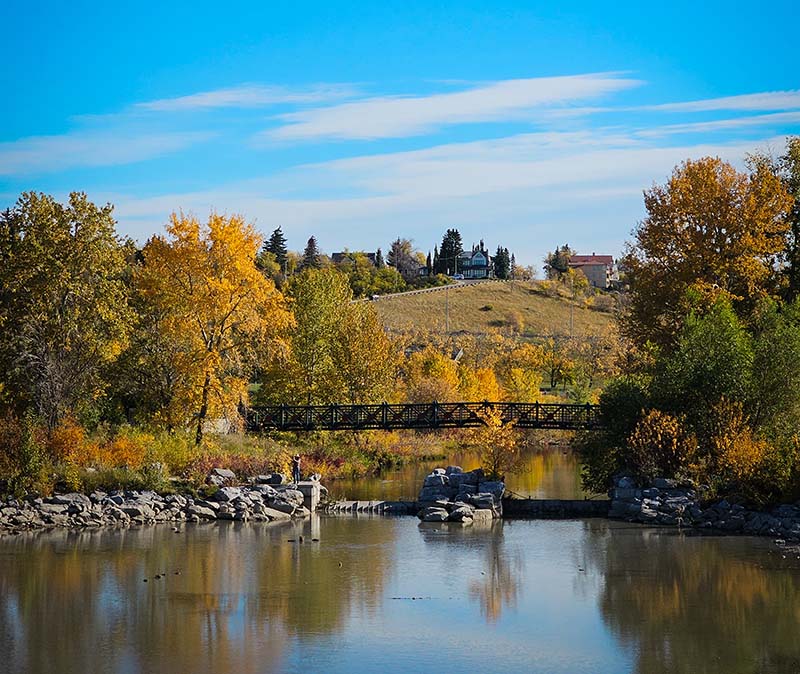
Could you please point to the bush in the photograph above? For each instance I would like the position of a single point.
(661, 447)
(23, 459)
(486, 307)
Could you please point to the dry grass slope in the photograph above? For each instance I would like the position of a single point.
(469, 310)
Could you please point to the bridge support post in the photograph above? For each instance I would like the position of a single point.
(385, 415)
(435, 421)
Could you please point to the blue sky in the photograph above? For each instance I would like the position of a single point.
(526, 124)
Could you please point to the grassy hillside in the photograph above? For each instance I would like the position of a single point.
(485, 307)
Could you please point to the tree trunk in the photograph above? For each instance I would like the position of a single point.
(201, 417)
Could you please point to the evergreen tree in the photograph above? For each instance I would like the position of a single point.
(429, 263)
(379, 262)
(311, 255)
(436, 259)
(451, 248)
(502, 263)
(276, 244)
(557, 262)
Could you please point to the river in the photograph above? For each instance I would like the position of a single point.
(391, 595)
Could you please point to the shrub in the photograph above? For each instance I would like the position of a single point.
(486, 307)
(660, 447)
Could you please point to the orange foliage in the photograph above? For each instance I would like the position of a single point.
(660, 447)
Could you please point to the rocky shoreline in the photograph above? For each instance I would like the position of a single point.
(451, 495)
(668, 502)
(258, 501)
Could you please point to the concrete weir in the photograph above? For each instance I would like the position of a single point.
(556, 509)
(512, 508)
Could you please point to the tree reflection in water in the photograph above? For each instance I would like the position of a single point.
(499, 584)
(76, 601)
(698, 604)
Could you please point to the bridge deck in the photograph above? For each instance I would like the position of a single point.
(386, 416)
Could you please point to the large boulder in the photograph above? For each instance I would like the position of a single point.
(70, 499)
(434, 494)
(436, 481)
(225, 494)
(496, 489)
(433, 514)
(461, 513)
(294, 496)
(220, 477)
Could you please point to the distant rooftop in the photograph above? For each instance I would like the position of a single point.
(579, 260)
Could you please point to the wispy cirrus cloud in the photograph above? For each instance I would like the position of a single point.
(43, 154)
(398, 116)
(767, 100)
(251, 96)
(727, 124)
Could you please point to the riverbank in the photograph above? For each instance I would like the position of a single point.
(256, 502)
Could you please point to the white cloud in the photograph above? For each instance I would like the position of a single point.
(767, 100)
(527, 192)
(395, 116)
(776, 118)
(41, 154)
(250, 96)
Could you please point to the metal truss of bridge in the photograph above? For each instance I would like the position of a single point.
(386, 416)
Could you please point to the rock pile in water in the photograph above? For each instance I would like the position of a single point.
(669, 502)
(451, 495)
(257, 502)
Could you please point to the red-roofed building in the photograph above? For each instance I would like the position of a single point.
(599, 269)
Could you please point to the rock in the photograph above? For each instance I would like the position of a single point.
(274, 514)
(211, 505)
(438, 471)
(224, 494)
(433, 494)
(452, 469)
(140, 510)
(436, 481)
(220, 477)
(282, 506)
(496, 489)
(271, 478)
(466, 490)
(482, 515)
(433, 514)
(482, 501)
(200, 512)
(69, 499)
(52, 508)
(461, 513)
(294, 496)
(625, 483)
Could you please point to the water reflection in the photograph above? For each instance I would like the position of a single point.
(231, 598)
(698, 604)
(501, 580)
(546, 472)
(547, 596)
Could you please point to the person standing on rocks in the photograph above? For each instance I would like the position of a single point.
(296, 468)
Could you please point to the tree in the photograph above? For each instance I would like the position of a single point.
(218, 310)
(277, 246)
(429, 264)
(402, 258)
(711, 228)
(311, 256)
(449, 251)
(364, 357)
(502, 263)
(556, 263)
(379, 262)
(63, 303)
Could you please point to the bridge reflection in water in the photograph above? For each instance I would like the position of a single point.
(388, 416)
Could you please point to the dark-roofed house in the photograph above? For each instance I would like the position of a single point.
(599, 269)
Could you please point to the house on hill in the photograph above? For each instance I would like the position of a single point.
(476, 263)
(598, 269)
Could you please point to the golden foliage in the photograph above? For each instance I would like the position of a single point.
(497, 443)
(712, 227)
(660, 447)
(216, 306)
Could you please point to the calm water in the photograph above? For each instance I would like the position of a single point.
(390, 595)
(547, 473)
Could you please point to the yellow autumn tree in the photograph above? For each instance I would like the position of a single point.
(711, 228)
(431, 375)
(216, 310)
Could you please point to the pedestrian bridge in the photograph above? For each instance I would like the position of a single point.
(396, 416)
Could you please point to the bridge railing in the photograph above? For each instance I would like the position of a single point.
(395, 416)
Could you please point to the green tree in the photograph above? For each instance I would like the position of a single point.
(556, 264)
(379, 261)
(449, 251)
(502, 263)
(63, 303)
(401, 257)
(311, 256)
(277, 246)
